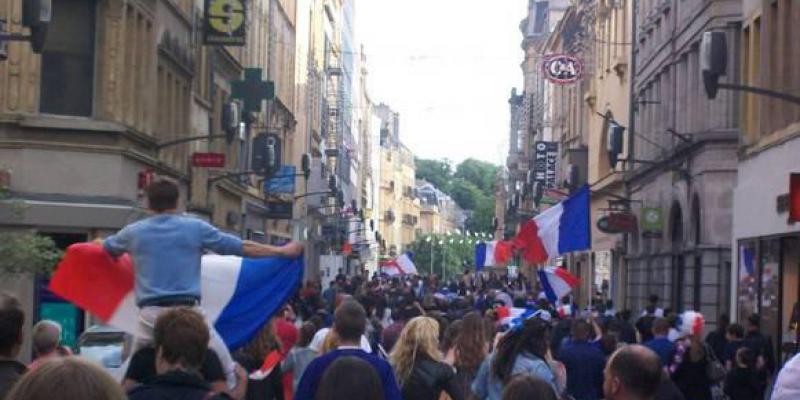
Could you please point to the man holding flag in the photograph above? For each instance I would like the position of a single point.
(166, 250)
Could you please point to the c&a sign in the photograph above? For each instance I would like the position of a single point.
(225, 22)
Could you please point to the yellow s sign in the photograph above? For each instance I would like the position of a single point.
(225, 15)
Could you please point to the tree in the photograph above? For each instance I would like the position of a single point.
(480, 173)
(450, 254)
(25, 251)
(439, 173)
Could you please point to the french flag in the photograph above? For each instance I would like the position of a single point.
(402, 265)
(490, 254)
(557, 282)
(562, 228)
(239, 295)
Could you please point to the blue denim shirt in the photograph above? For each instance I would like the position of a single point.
(487, 387)
(166, 251)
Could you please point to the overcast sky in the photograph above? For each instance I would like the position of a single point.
(447, 66)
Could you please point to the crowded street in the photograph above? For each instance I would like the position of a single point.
(399, 200)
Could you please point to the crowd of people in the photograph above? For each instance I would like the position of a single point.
(415, 338)
(483, 336)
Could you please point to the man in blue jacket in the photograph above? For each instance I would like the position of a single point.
(584, 364)
(350, 321)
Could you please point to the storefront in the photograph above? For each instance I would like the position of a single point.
(766, 275)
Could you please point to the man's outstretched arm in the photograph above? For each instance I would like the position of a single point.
(289, 250)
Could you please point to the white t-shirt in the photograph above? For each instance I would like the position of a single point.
(319, 339)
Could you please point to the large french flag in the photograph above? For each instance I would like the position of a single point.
(402, 265)
(490, 254)
(557, 282)
(562, 228)
(239, 295)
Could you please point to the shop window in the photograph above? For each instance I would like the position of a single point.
(747, 295)
(769, 302)
(67, 82)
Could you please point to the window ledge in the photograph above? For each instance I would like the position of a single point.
(70, 123)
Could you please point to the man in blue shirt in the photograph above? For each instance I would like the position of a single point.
(584, 364)
(350, 321)
(166, 249)
(660, 344)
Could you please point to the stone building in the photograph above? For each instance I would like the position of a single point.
(686, 149)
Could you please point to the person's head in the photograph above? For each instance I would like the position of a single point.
(418, 340)
(67, 378)
(162, 196)
(532, 337)
(11, 321)
(181, 338)
(653, 300)
(471, 342)
(46, 337)
(307, 332)
(265, 342)
(632, 372)
(753, 323)
(528, 387)
(722, 322)
(350, 321)
(735, 332)
(350, 378)
(660, 327)
(581, 330)
(745, 358)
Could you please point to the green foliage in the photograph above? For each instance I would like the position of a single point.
(26, 252)
(450, 256)
(471, 185)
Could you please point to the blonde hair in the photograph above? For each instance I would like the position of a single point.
(67, 378)
(420, 337)
(330, 343)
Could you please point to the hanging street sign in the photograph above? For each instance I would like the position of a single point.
(545, 164)
(252, 90)
(617, 223)
(562, 68)
(279, 209)
(652, 223)
(225, 22)
(208, 160)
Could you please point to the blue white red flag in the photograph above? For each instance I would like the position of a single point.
(557, 282)
(562, 228)
(239, 295)
(493, 253)
(402, 265)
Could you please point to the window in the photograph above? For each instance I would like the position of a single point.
(68, 60)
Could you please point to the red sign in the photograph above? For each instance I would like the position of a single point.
(794, 198)
(208, 160)
(617, 223)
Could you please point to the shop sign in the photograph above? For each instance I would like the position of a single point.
(279, 209)
(545, 164)
(652, 222)
(562, 68)
(225, 22)
(208, 160)
(282, 182)
(617, 223)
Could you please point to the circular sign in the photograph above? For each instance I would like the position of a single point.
(562, 68)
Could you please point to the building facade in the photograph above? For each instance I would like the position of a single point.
(766, 248)
(685, 151)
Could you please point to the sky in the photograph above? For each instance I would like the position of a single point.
(448, 67)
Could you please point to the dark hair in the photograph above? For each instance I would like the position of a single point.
(307, 332)
(653, 299)
(746, 356)
(162, 195)
(754, 320)
(581, 330)
(528, 387)
(67, 378)
(11, 320)
(470, 344)
(182, 336)
(660, 326)
(638, 369)
(350, 321)
(736, 330)
(264, 342)
(450, 336)
(318, 322)
(723, 321)
(532, 337)
(350, 378)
